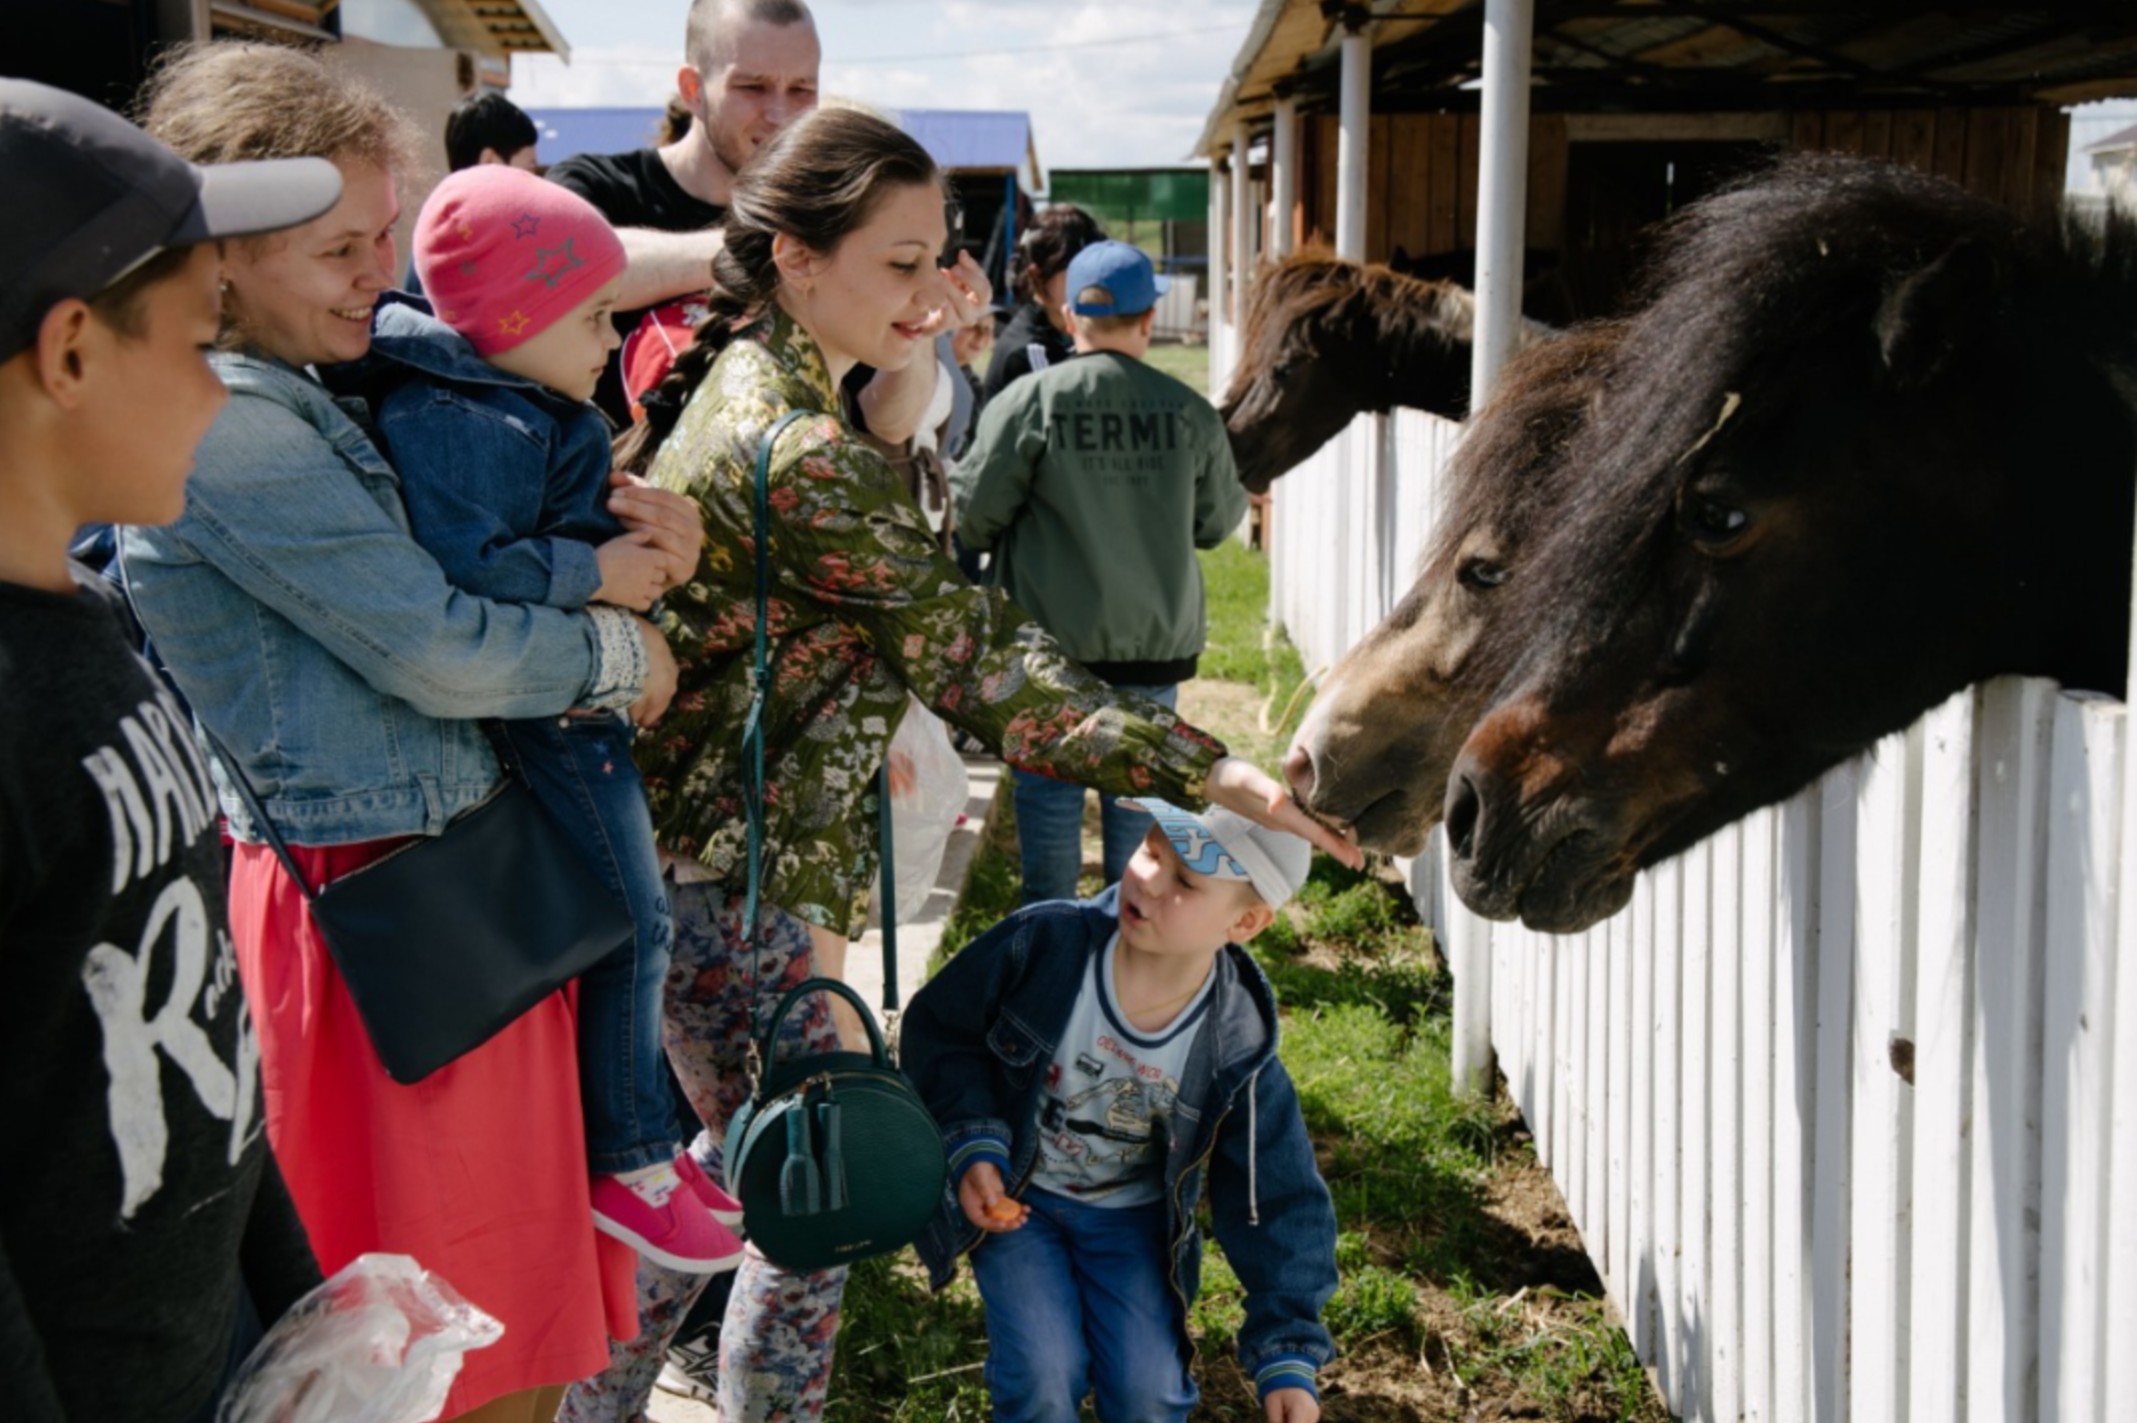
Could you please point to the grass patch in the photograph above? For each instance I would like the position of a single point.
(1182, 362)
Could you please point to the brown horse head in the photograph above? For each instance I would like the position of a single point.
(1869, 442)
(1325, 340)
(1389, 719)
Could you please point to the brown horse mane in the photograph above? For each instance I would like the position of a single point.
(1314, 287)
(1796, 257)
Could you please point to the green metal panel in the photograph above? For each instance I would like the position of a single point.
(1143, 194)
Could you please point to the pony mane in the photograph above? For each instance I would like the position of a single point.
(1795, 255)
(1511, 462)
(1314, 287)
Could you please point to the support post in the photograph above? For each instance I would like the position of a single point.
(1220, 242)
(1353, 142)
(1502, 213)
(1242, 222)
(1283, 178)
(1502, 200)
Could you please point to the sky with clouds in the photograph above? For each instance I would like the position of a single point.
(1106, 84)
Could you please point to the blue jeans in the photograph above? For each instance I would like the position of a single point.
(1077, 1302)
(1050, 825)
(580, 769)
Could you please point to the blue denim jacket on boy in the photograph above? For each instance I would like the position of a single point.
(976, 1041)
(322, 645)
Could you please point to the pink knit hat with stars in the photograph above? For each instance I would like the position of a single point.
(503, 254)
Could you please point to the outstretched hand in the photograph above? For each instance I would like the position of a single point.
(1246, 788)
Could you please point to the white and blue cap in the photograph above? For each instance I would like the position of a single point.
(1223, 844)
(1123, 272)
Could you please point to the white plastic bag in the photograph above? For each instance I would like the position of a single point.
(928, 788)
(381, 1342)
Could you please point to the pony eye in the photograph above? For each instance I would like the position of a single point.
(1480, 574)
(1711, 521)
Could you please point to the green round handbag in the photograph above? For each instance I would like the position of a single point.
(834, 1157)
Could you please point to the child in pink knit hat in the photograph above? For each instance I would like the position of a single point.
(505, 470)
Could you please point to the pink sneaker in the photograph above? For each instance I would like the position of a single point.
(665, 1222)
(724, 1208)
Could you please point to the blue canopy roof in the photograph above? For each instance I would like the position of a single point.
(564, 132)
(958, 139)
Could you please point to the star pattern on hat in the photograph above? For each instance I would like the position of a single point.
(514, 324)
(551, 263)
(525, 224)
(467, 233)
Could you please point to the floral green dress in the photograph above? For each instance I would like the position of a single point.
(863, 609)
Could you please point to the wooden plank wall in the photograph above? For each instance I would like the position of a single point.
(2013, 156)
(1422, 181)
(1423, 167)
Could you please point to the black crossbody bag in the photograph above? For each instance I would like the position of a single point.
(447, 939)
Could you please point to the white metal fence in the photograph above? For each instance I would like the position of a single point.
(1836, 1102)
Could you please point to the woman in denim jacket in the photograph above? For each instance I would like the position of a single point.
(332, 658)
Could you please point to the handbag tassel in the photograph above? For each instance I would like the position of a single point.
(827, 1122)
(799, 1190)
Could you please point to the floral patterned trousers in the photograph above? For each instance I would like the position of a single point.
(780, 1328)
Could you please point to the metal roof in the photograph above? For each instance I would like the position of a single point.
(499, 28)
(1712, 55)
(2120, 138)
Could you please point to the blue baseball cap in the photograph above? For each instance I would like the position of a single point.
(1122, 272)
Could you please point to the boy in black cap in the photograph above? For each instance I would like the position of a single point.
(144, 1232)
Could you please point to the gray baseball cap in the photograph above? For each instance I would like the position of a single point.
(1223, 844)
(91, 197)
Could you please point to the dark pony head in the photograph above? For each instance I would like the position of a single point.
(1868, 441)
(1390, 718)
(1325, 340)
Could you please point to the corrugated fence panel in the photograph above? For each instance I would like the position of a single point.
(1943, 1063)
(1837, 1103)
(2084, 823)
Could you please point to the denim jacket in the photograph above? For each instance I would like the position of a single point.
(322, 645)
(506, 482)
(976, 1041)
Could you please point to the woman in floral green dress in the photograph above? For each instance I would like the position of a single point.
(830, 259)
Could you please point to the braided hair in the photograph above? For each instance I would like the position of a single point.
(820, 180)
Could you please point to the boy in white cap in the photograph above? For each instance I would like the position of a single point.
(1095, 1066)
(1093, 482)
(145, 1234)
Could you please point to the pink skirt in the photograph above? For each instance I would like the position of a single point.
(479, 1171)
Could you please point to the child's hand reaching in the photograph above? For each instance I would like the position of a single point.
(633, 572)
(985, 1204)
(1291, 1405)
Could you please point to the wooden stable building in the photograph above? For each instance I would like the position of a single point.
(1635, 107)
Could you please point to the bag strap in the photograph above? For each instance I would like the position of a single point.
(753, 763)
(230, 764)
(260, 819)
(760, 686)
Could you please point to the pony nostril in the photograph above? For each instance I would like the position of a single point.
(1298, 773)
(1464, 809)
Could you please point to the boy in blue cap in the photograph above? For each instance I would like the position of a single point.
(1093, 482)
(1096, 1066)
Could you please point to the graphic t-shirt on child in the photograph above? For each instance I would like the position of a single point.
(1109, 1095)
